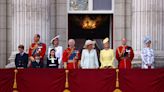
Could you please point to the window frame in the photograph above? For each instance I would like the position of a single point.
(90, 9)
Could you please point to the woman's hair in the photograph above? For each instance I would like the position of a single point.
(50, 53)
(37, 35)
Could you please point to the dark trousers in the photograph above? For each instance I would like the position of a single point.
(37, 65)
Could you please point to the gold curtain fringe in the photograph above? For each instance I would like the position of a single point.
(117, 90)
(15, 90)
(66, 90)
(66, 83)
(15, 81)
(117, 82)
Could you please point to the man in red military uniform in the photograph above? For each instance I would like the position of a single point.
(36, 52)
(71, 56)
(124, 55)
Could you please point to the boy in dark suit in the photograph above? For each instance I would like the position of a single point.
(21, 59)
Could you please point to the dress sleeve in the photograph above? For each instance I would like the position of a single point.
(112, 58)
(48, 52)
(101, 60)
(61, 52)
(117, 54)
(82, 59)
(152, 57)
(143, 57)
(65, 58)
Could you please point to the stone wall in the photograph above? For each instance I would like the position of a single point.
(122, 21)
(132, 19)
(147, 19)
(3, 33)
(62, 21)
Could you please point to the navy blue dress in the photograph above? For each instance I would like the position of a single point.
(53, 64)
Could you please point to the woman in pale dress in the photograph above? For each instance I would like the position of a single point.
(89, 58)
(58, 50)
(147, 54)
(106, 55)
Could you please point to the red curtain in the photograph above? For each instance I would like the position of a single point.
(92, 80)
(53, 80)
(6, 80)
(138, 80)
(41, 80)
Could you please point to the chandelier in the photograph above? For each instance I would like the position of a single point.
(89, 23)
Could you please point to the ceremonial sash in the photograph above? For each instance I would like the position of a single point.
(120, 53)
(35, 48)
(70, 52)
(34, 52)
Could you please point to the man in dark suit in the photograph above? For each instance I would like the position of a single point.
(21, 59)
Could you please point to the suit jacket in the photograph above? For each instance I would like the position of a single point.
(71, 54)
(21, 60)
(124, 55)
(33, 49)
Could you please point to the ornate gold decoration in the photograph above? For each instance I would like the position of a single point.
(15, 81)
(66, 82)
(117, 82)
(89, 23)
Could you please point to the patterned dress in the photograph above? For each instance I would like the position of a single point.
(147, 56)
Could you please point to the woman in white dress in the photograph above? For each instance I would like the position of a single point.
(58, 50)
(89, 58)
(147, 54)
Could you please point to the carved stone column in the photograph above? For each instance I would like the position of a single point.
(147, 19)
(28, 17)
(3, 23)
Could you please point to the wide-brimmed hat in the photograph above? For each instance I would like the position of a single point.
(147, 39)
(56, 37)
(89, 42)
(106, 40)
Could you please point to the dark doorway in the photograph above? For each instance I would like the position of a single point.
(90, 26)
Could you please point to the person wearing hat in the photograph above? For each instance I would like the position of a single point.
(89, 58)
(58, 50)
(147, 54)
(71, 56)
(106, 55)
(124, 55)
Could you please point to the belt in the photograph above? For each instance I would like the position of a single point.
(71, 61)
(52, 65)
